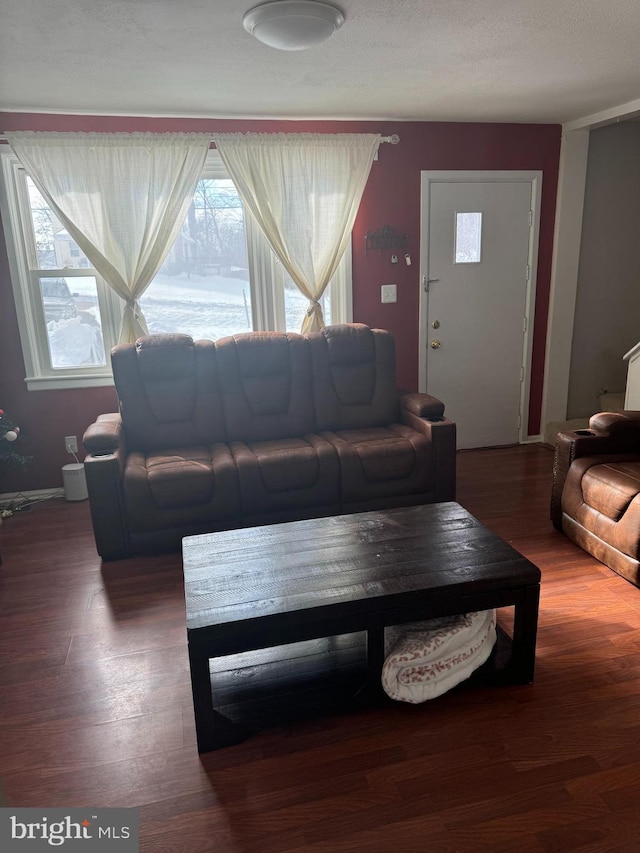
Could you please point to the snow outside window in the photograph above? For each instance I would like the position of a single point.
(220, 278)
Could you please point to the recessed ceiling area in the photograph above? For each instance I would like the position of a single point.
(425, 60)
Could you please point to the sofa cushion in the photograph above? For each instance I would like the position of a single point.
(620, 535)
(287, 474)
(170, 487)
(168, 391)
(266, 386)
(382, 462)
(611, 487)
(354, 377)
(614, 519)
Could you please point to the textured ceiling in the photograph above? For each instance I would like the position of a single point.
(437, 60)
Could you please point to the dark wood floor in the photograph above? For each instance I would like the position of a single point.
(96, 708)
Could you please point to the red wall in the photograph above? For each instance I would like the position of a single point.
(392, 197)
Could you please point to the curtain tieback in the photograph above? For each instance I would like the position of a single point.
(314, 307)
(132, 303)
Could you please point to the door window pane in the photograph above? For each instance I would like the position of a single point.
(468, 237)
(202, 288)
(72, 318)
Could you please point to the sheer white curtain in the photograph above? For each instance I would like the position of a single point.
(122, 197)
(303, 189)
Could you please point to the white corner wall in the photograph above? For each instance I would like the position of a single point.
(607, 304)
(564, 273)
(567, 247)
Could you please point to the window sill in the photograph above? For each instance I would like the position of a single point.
(52, 383)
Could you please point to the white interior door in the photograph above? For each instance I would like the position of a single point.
(478, 245)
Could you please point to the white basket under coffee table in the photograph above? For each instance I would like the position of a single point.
(290, 617)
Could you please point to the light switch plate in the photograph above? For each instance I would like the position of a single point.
(388, 293)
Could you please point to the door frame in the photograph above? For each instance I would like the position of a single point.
(428, 178)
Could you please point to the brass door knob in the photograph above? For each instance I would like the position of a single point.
(435, 344)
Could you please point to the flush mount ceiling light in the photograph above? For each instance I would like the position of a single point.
(293, 24)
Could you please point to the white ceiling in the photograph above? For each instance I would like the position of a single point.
(434, 60)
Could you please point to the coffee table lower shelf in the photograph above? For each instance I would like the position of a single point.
(267, 688)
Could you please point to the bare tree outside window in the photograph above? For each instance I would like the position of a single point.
(45, 224)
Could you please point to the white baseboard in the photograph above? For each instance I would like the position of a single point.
(533, 439)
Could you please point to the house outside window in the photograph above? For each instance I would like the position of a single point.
(219, 278)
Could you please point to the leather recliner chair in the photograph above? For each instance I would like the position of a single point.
(596, 490)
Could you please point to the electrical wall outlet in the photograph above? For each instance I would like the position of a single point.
(388, 293)
(71, 443)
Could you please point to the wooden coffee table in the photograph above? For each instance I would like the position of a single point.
(288, 618)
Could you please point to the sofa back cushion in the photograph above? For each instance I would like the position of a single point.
(169, 392)
(265, 379)
(354, 377)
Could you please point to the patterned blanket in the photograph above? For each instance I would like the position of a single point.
(425, 659)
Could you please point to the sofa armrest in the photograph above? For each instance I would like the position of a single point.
(105, 435)
(609, 433)
(104, 470)
(441, 432)
(618, 425)
(421, 405)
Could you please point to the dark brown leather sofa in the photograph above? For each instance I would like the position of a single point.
(596, 490)
(259, 428)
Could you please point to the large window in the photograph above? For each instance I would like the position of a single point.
(219, 278)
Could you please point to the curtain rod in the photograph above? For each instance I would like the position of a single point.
(394, 139)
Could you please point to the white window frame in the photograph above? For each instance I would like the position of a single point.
(25, 280)
(267, 302)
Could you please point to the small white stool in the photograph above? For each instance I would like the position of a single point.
(74, 481)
